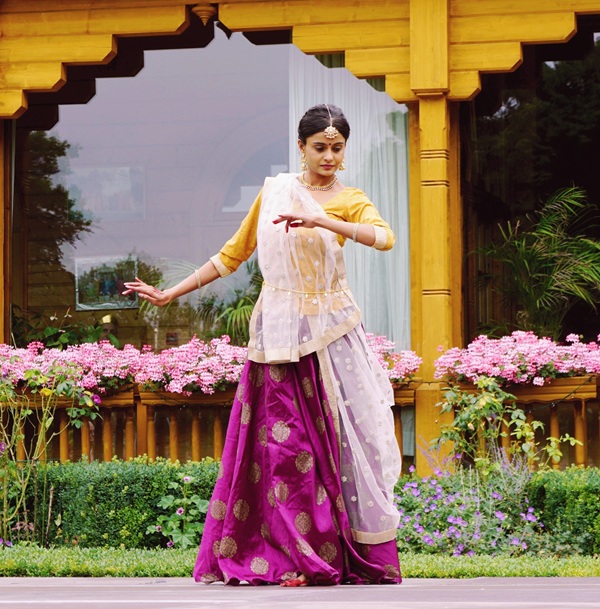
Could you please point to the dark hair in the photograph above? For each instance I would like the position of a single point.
(316, 119)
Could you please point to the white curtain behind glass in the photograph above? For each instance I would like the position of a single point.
(376, 162)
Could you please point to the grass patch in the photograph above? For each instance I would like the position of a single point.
(31, 561)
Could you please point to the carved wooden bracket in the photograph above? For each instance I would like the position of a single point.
(205, 12)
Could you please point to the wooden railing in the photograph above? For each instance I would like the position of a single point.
(160, 424)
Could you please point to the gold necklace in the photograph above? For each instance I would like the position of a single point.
(311, 187)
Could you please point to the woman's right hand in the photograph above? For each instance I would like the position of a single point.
(158, 298)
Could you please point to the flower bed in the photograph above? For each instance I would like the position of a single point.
(521, 357)
(196, 366)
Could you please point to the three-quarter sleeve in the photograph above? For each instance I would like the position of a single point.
(241, 246)
(354, 206)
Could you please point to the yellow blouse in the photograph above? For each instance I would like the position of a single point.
(349, 205)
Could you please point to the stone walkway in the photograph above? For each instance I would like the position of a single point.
(183, 593)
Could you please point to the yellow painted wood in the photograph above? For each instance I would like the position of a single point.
(34, 76)
(218, 434)
(80, 49)
(196, 437)
(338, 37)
(487, 57)
(107, 444)
(151, 434)
(63, 436)
(283, 15)
(85, 440)
(464, 85)
(129, 434)
(429, 46)
(580, 433)
(365, 63)
(502, 7)
(554, 428)
(530, 28)
(397, 86)
(5, 223)
(173, 436)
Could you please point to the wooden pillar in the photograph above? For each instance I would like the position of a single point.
(63, 435)
(129, 434)
(107, 444)
(85, 440)
(151, 433)
(398, 427)
(41, 444)
(5, 222)
(218, 434)
(196, 436)
(173, 436)
(554, 428)
(142, 426)
(505, 440)
(580, 433)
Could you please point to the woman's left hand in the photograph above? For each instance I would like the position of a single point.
(153, 295)
(296, 220)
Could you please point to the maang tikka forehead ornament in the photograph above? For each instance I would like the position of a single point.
(330, 132)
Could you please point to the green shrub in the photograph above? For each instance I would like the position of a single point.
(110, 504)
(569, 505)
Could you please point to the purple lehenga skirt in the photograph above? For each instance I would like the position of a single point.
(277, 509)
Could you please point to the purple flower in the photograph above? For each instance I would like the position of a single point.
(428, 540)
(2, 448)
(169, 544)
(500, 515)
(186, 479)
(179, 511)
(96, 399)
(411, 469)
(158, 528)
(496, 495)
(8, 543)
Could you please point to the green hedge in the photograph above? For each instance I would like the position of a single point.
(110, 504)
(569, 505)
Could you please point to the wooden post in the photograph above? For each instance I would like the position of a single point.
(398, 427)
(85, 440)
(21, 443)
(218, 434)
(554, 428)
(107, 447)
(41, 442)
(151, 433)
(142, 427)
(129, 434)
(196, 436)
(173, 436)
(63, 435)
(580, 433)
(505, 440)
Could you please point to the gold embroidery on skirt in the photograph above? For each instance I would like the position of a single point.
(208, 578)
(216, 548)
(277, 372)
(281, 431)
(254, 473)
(286, 551)
(304, 462)
(392, 571)
(220, 472)
(339, 503)
(218, 509)
(328, 552)
(282, 491)
(308, 387)
(303, 547)
(289, 575)
(257, 375)
(295, 403)
(239, 394)
(303, 523)
(332, 464)
(246, 414)
(264, 531)
(259, 565)
(321, 494)
(228, 547)
(241, 509)
(271, 498)
(262, 435)
(320, 423)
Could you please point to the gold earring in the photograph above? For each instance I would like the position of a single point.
(303, 165)
(342, 167)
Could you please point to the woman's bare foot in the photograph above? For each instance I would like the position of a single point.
(302, 580)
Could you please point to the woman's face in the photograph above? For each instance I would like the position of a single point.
(323, 155)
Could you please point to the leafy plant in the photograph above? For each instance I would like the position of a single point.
(549, 266)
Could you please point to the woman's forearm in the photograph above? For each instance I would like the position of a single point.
(206, 273)
(361, 233)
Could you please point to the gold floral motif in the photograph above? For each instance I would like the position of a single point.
(304, 462)
(308, 387)
(254, 473)
(326, 407)
(265, 532)
(339, 503)
(239, 394)
(241, 509)
(228, 547)
(321, 494)
(221, 471)
(218, 509)
(277, 372)
(259, 565)
(262, 435)
(303, 523)
(208, 578)
(336, 525)
(271, 498)
(289, 575)
(365, 550)
(332, 464)
(257, 375)
(295, 403)
(281, 431)
(246, 414)
(282, 491)
(303, 547)
(320, 423)
(328, 552)
(216, 548)
(286, 551)
(392, 571)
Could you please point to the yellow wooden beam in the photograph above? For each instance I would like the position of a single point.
(34, 76)
(13, 102)
(429, 46)
(486, 57)
(461, 8)
(378, 62)
(397, 86)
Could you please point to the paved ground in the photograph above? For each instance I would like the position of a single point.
(180, 593)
